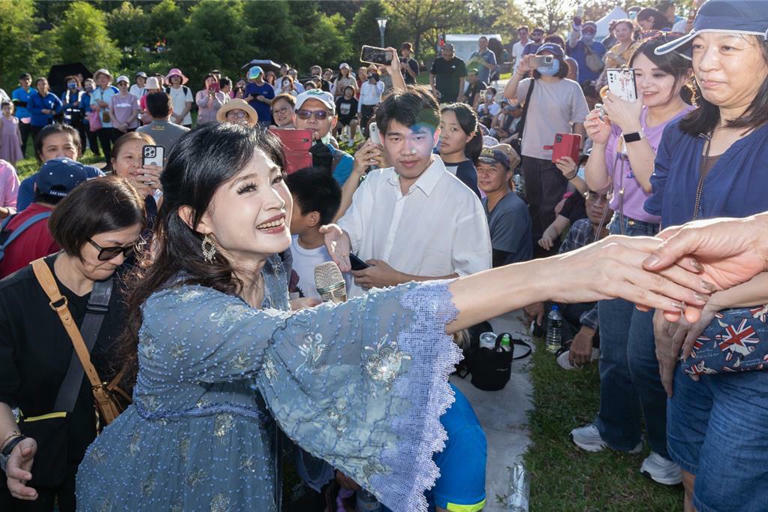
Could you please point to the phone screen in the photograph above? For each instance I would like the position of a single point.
(621, 82)
(374, 55)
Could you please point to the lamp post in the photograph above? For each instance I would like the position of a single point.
(382, 27)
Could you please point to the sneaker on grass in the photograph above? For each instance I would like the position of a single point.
(660, 470)
(588, 438)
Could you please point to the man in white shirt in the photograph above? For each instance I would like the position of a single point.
(518, 47)
(414, 221)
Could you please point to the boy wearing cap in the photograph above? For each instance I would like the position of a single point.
(55, 180)
(508, 217)
(259, 95)
(583, 47)
(181, 97)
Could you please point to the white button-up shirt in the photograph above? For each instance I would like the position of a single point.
(436, 229)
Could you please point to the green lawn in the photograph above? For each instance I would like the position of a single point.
(563, 477)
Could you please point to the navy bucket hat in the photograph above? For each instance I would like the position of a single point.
(747, 17)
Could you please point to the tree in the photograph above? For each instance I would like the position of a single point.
(365, 29)
(424, 16)
(82, 37)
(20, 51)
(165, 18)
(551, 15)
(128, 26)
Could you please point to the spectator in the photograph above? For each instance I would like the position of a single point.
(259, 95)
(286, 86)
(504, 125)
(557, 105)
(345, 80)
(72, 105)
(460, 143)
(502, 57)
(316, 198)
(128, 164)
(652, 20)
(346, 106)
(225, 86)
(622, 161)
(316, 111)
(484, 60)
(385, 78)
(362, 71)
(370, 96)
(726, 140)
(573, 66)
(619, 54)
(9, 189)
(328, 78)
(573, 205)
(54, 141)
(100, 99)
(161, 129)
(181, 97)
(139, 89)
(408, 64)
(271, 79)
(538, 38)
(42, 105)
(237, 111)
(56, 179)
(239, 90)
(209, 100)
(446, 77)
(413, 221)
(97, 225)
(508, 218)
(295, 75)
(124, 108)
(472, 96)
(152, 86)
(317, 75)
(20, 100)
(489, 108)
(587, 52)
(91, 138)
(519, 46)
(283, 110)
(10, 136)
(667, 9)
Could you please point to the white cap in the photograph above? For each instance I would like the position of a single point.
(324, 97)
(123, 78)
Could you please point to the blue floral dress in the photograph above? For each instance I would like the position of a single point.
(361, 385)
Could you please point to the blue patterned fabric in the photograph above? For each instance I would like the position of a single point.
(361, 385)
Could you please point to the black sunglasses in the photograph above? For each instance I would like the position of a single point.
(107, 253)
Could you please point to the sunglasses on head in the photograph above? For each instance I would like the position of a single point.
(320, 115)
(108, 253)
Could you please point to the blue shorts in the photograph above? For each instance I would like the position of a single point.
(717, 429)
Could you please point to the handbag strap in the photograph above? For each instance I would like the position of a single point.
(60, 305)
(524, 115)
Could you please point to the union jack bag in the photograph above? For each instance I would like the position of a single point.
(735, 341)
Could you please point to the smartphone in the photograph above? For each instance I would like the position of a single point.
(152, 155)
(373, 132)
(374, 55)
(621, 82)
(543, 61)
(357, 263)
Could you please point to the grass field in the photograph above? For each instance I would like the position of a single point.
(565, 478)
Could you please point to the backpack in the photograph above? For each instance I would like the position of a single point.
(6, 237)
(186, 90)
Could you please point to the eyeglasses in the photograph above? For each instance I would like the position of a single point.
(237, 114)
(320, 115)
(108, 253)
(597, 197)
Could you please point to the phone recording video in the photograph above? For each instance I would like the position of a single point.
(374, 55)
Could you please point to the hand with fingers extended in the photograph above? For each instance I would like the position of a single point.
(18, 470)
(338, 246)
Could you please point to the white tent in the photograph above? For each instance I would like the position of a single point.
(465, 45)
(603, 23)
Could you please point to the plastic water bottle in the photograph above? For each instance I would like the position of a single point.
(519, 185)
(554, 329)
(366, 502)
(520, 489)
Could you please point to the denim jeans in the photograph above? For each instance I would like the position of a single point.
(630, 386)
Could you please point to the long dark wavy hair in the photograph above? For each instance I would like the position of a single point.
(200, 162)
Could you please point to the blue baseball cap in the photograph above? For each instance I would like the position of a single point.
(553, 48)
(59, 176)
(748, 17)
(255, 72)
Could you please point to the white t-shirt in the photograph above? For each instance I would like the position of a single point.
(179, 99)
(304, 263)
(137, 91)
(517, 53)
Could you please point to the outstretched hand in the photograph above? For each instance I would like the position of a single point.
(18, 470)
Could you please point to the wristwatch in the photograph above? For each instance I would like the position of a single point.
(633, 137)
(6, 453)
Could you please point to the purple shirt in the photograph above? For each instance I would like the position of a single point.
(123, 108)
(621, 174)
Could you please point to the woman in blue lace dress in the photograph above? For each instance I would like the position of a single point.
(222, 361)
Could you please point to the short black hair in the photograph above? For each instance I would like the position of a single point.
(93, 207)
(25, 76)
(50, 129)
(315, 190)
(159, 104)
(224, 82)
(415, 105)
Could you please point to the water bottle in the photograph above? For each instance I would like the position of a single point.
(519, 185)
(506, 342)
(554, 329)
(520, 489)
(366, 502)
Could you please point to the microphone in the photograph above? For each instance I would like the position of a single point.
(330, 283)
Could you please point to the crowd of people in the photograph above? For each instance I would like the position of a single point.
(192, 277)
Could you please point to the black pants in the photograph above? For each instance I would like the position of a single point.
(46, 497)
(26, 131)
(93, 141)
(545, 186)
(366, 113)
(34, 130)
(106, 137)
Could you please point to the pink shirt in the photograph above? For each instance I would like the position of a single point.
(9, 184)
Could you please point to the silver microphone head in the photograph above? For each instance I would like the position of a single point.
(330, 283)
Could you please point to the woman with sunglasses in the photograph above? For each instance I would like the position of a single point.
(626, 138)
(97, 226)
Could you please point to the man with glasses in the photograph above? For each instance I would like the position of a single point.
(586, 51)
(316, 111)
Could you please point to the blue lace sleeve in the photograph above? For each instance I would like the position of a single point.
(363, 385)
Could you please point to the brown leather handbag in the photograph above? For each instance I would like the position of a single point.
(109, 399)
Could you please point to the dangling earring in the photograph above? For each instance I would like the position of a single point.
(209, 248)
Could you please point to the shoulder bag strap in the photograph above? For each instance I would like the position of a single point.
(521, 123)
(60, 305)
(26, 224)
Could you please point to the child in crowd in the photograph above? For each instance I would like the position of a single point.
(10, 136)
(489, 109)
(316, 198)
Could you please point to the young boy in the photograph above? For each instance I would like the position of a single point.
(316, 198)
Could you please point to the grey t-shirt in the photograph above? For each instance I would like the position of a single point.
(165, 134)
(510, 225)
(554, 106)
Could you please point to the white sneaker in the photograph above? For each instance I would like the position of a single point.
(661, 470)
(565, 363)
(588, 438)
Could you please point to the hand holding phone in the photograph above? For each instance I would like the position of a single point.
(357, 263)
(375, 55)
(622, 83)
(152, 155)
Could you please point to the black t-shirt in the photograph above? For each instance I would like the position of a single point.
(411, 63)
(35, 351)
(467, 173)
(447, 74)
(474, 89)
(574, 207)
(346, 109)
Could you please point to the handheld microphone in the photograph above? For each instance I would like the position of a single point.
(330, 283)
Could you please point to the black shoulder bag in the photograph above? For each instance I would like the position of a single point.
(517, 142)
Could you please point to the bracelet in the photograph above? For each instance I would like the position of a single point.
(14, 433)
